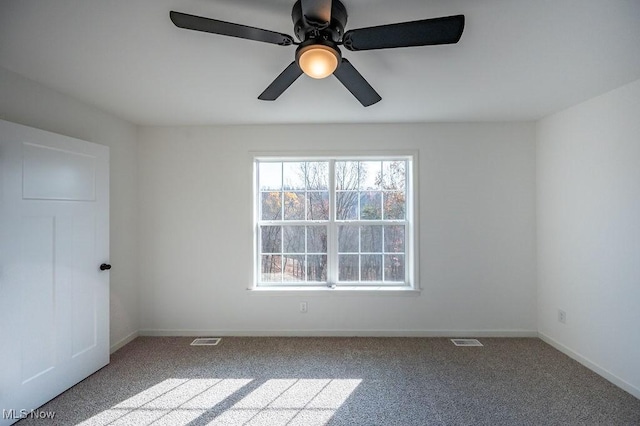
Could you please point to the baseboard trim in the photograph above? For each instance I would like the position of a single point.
(621, 383)
(123, 341)
(343, 333)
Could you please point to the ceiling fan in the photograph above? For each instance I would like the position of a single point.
(319, 25)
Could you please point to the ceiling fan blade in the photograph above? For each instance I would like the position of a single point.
(446, 30)
(356, 84)
(199, 23)
(281, 83)
(316, 11)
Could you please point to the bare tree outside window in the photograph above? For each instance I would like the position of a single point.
(371, 191)
(368, 219)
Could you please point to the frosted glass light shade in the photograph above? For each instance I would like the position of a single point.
(318, 61)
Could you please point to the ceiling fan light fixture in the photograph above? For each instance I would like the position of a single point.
(318, 60)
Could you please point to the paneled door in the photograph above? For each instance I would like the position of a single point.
(54, 237)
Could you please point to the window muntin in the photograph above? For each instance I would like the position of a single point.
(357, 233)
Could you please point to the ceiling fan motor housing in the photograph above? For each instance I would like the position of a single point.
(305, 28)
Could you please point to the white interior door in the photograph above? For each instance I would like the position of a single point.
(54, 235)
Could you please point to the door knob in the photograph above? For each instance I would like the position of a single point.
(105, 267)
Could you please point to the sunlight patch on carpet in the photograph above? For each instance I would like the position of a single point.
(274, 402)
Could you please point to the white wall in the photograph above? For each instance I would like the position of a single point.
(477, 232)
(588, 210)
(26, 102)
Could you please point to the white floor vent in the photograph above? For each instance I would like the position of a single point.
(466, 342)
(206, 341)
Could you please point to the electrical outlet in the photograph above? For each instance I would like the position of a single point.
(562, 316)
(304, 307)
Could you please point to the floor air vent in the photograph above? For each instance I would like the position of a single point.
(466, 342)
(206, 341)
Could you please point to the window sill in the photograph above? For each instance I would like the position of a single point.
(342, 290)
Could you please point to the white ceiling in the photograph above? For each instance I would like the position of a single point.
(517, 60)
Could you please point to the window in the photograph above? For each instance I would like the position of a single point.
(334, 222)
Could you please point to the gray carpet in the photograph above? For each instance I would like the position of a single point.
(342, 381)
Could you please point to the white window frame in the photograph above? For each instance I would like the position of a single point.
(411, 282)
